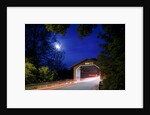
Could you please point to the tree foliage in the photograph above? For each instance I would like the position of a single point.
(37, 75)
(85, 29)
(46, 75)
(112, 58)
(39, 47)
(36, 44)
(30, 73)
(57, 28)
(42, 58)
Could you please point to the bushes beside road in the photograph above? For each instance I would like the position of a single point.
(37, 75)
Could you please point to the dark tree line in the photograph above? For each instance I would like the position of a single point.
(39, 47)
(112, 58)
(43, 60)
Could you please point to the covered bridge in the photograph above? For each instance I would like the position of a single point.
(85, 68)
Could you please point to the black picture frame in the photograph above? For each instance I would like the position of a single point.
(103, 3)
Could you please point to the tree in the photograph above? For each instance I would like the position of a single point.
(55, 62)
(46, 75)
(112, 58)
(57, 28)
(36, 43)
(30, 73)
(85, 29)
(39, 47)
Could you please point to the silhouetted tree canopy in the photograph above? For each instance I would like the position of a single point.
(57, 28)
(39, 47)
(112, 58)
(85, 29)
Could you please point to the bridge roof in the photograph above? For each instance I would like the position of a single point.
(85, 60)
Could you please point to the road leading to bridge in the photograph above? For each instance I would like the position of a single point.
(87, 84)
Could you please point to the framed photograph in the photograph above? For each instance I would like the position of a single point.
(74, 56)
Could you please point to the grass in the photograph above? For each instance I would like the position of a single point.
(44, 84)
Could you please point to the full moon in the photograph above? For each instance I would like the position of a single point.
(57, 46)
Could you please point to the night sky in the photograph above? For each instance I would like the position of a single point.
(76, 49)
